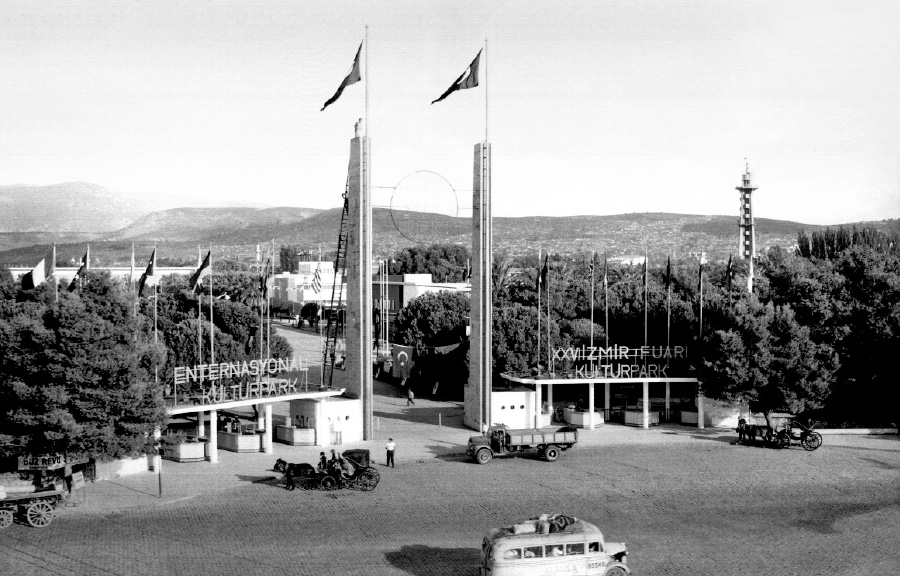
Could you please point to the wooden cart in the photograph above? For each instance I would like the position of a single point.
(36, 508)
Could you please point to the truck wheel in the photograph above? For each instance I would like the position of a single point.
(551, 453)
(483, 456)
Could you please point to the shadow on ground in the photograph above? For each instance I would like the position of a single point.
(426, 560)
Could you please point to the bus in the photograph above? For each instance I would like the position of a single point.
(551, 544)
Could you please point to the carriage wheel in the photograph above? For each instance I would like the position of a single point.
(812, 441)
(328, 483)
(368, 480)
(39, 514)
(784, 440)
(6, 518)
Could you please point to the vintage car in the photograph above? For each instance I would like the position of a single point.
(551, 544)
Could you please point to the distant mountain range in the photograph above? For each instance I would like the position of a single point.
(73, 215)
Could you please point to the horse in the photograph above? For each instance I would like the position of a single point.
(297, 470)
(749, 432)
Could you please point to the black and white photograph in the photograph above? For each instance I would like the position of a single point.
(449, 288)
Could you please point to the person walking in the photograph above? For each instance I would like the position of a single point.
(390, 451)
(410, 397)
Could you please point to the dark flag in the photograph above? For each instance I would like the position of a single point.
(403, 362)
(352, 78)
(264, 280)
(542, 273)
(728, 273)
(81, 270)
(469, 79)
(149, 277)
(668, 272)
(202, 272)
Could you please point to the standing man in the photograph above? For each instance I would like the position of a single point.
(390, 452)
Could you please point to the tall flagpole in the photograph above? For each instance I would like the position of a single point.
(592, 299)
(155, 306)
(212, 334)
(539, 269)
(366, 125)
(606, 298)
(269, 305)
(486, 91)
(549, 349)
(646, 272)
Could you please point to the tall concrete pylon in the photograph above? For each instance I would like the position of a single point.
(357, 378)
(746, 226)
(477, 397)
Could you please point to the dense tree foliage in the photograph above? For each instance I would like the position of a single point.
(86, 374)
(445, 262)
(76, 376)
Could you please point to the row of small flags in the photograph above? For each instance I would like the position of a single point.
(468, 79)
(47, 267)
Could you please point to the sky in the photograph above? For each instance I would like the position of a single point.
(591, 107)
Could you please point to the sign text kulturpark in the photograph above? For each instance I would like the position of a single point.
(214, 390)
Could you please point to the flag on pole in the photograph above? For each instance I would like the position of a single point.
(542, 275)
(131, 275)
(203, 270)
(728, 273)
(352, 77)
(80, 273)
(317, 281)
(668, 272)
(36, 277)
(469, 79)
(149, 277)
(264, 280)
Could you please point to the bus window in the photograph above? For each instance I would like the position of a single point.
(594, 547)
(554, 550)
(534, 552)
(574, 549)
(513, 554)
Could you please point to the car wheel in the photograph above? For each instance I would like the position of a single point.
(551, 453)
(483, 456)
(616, 571)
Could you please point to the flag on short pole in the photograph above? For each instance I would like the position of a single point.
(202, 272)
(468, 79)
(36, 276)
(149, 277)
(80, 273)
(317, 281)
(352, 77)
(728, 273)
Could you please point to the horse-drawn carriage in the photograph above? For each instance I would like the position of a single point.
(36, 508)
(780, 430)
(361, 476)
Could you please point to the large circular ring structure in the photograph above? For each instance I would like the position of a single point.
(416, 199)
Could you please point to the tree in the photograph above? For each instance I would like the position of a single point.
(287, 258)
(445, 262)
(768, 360)
(76, 376)
(434, 320)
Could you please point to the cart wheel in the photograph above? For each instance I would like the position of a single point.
(328, 483)
(368, 480)
(812, 441)
(39, 514)
(551, 453)
(784, 440)
(6, 518)
(483, 456)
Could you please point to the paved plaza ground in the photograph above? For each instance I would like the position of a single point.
(685, 501)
